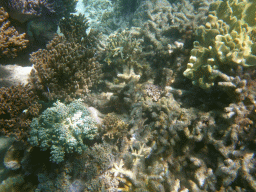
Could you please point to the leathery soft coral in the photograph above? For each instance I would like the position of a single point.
(63, 129)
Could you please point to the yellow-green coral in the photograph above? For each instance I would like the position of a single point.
(224, 42)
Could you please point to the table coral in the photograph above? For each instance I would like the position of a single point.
(63, 129)
(11, 41)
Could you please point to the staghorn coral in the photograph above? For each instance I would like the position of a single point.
(63, 129)
(19, 105)
(122, 54)
(11, 41)
(223, 44)
(169, 22)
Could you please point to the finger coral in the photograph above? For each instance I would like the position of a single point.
(11, 41)
(223, 43)
(63, 129)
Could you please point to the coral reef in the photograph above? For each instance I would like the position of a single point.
(168, 23)
(144, 127)
(63, 129)
(25, 10)
(123, 53)
(67, 68)
(75, 29)
(223, 44)
(11, 41)
(100, 14)
(19, 105)
(39, 18)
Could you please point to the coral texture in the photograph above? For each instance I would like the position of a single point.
(24, 10)
(18, 105)
(223, 43)
(63, 129)
(67, 68)
(11, 41)
(123, 53)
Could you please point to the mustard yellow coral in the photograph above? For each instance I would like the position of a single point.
(224, 42)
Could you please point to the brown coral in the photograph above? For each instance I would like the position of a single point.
(64, 70)
(114, 128)
(74, 29)
(18, 105)
(11, 41)
(67, 67)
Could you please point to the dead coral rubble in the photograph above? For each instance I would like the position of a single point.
(11, 41)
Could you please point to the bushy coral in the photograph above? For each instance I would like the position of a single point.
(18, 105)
(75, 28)
(123, 53)
(11, 41)
(67, 67)
(223, 43)
(63, 129)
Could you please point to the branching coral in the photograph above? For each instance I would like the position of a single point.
(123, 54)
(67, 68)
(11, 41)
(63, 129)
(74, 28)
(18, 105)
(224, 43)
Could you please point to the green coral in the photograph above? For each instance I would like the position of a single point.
(63, 129)
(223, 43)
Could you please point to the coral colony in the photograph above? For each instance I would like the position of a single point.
(128, 95)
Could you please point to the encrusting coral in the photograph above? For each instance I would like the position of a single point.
(63, 129)
(67, 67)
(11, 41)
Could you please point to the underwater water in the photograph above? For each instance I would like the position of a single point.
(127, 95)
